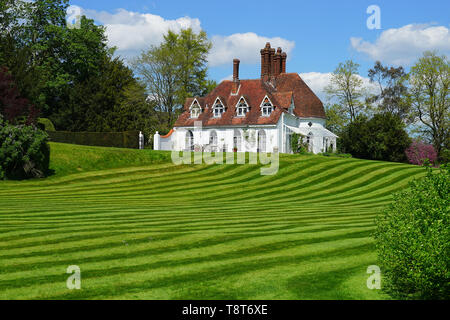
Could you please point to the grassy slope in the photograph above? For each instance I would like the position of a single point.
(144, 228)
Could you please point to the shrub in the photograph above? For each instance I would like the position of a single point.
(383, 137)
(24, 151)
(419, 152)
(413, 239)
(45, 124)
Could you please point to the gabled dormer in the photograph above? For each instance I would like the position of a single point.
(195, 109)
(218, 108)
(266, 107)
(242, 107)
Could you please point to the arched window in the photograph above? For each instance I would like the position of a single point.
(261, 141)
(218, 109)
(242, 108)
(189, 142)
(237, 140)
(266, 108)
(195, 110)
(213, 137)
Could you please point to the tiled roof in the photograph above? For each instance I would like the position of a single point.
(285, 88)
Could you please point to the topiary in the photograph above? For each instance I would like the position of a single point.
(413, 239)
(24, 151)
(45, 124)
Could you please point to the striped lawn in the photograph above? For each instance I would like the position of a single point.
(153, 230)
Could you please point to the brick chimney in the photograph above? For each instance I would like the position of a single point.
(277, 63)
(273, 63)
(265, 62)
(236, 81)
(283, 62)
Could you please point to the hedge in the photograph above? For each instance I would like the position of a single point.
(127, 139)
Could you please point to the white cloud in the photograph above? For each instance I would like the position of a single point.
(132, 32)
(244, 46)
(404, 45)
(317, 81)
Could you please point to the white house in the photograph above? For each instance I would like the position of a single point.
(256, 115)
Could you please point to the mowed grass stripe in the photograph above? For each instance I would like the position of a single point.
(162, 231)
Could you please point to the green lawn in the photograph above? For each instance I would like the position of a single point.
(140, 227)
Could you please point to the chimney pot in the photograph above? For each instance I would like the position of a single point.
(236, 75)
(283, 62)
(236, 70)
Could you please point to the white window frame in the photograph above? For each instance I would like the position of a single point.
(195, 105)
(218, 106)
(266, 107)
(239, 107)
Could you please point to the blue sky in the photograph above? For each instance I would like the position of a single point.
(316, 34)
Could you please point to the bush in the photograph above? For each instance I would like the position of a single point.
(45, 124)
(418, 153)
(24, 152)
(413, 239)
(383, 137)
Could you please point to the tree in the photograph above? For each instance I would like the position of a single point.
(418, 153)
(12, 105)
(174, 70)
(193, 52)
(346, 86)
(429, 81)
(336, 119)
(383, 137)
(135, 112)
(52, 63)
(93, 101)
(391, 82)
(412, 239)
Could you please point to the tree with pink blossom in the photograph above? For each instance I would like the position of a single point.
(418, 152)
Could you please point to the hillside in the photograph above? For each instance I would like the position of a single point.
(140, 227)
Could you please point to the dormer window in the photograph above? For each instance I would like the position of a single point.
(242, 108)
(218, 109)
(195, 109)
(266, 107)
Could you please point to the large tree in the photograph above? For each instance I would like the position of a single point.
(429, 81)
(346, 86)
(336, 118)
(392, 90)
(174, 70)
(61, 70)
(382, 137)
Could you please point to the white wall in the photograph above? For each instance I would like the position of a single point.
(275, 136)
